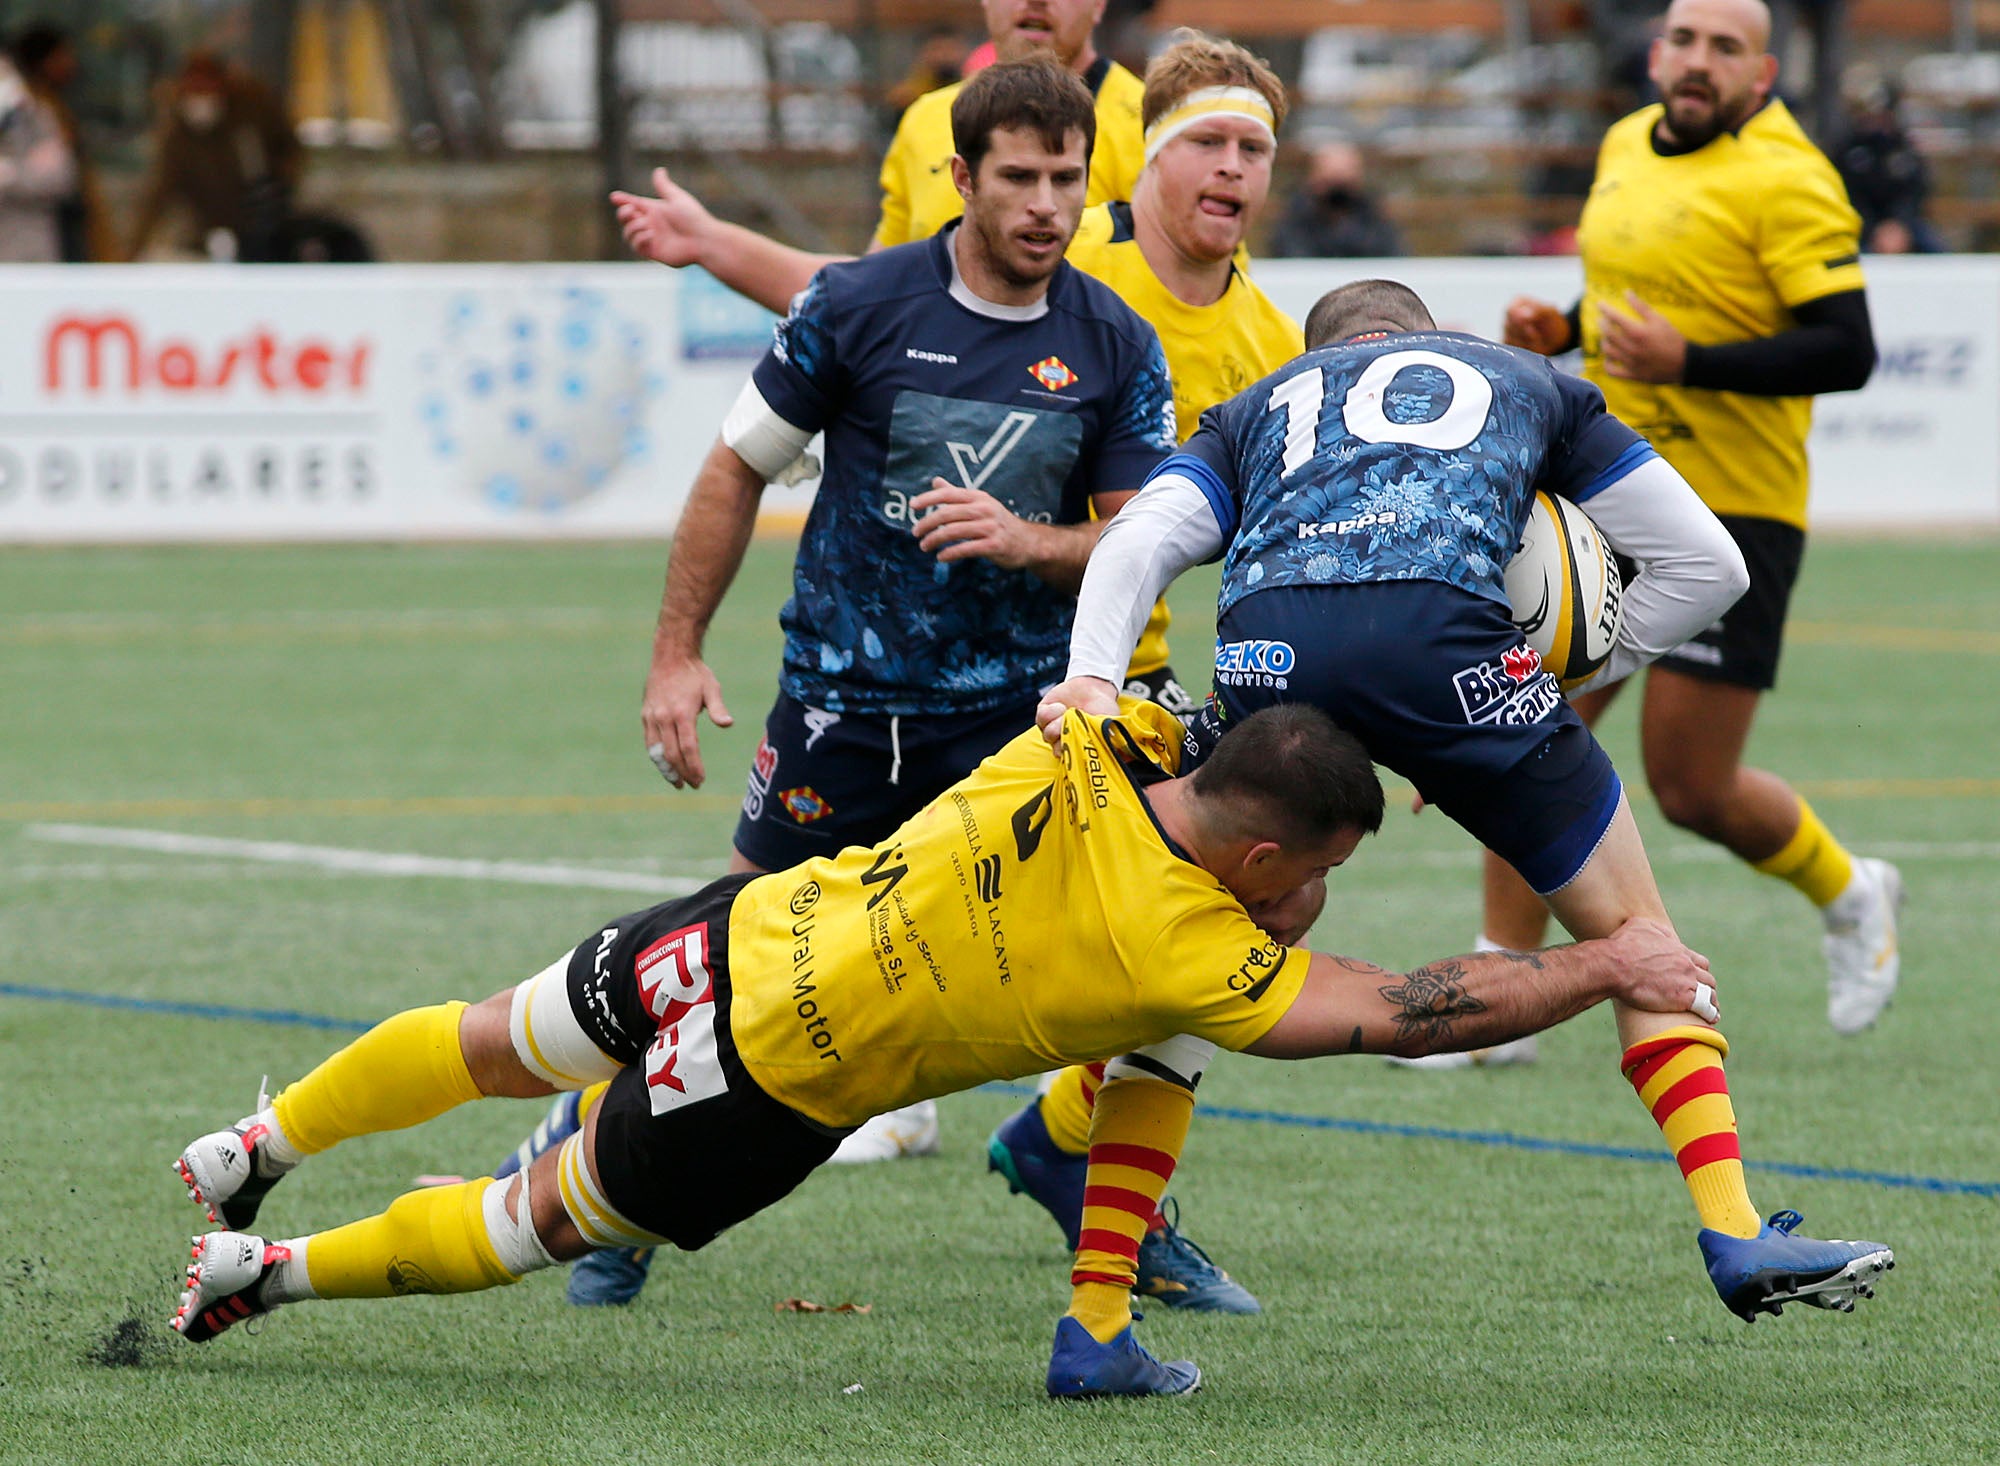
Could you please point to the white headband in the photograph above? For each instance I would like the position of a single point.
(1245, 102)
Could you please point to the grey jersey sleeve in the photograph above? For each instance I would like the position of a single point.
(1162, 530)
(1690, 570)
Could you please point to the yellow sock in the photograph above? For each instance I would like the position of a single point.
(1812, 861)
(1136, 1137)
(401, 1072)
(428, 1241)
(1678, 1075)
(1066, 1106)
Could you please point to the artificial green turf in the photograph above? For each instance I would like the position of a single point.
(1428, 1299)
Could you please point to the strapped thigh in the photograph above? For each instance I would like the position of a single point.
(601, 1223)
(548, 1039)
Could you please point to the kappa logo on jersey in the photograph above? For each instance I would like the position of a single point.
(1521, 662)
(1254, 663)
(987, 874)
(805, 804)
(975, 465)
(1492, 692)
(763, 767)
(1053, 374)
(1384, 520)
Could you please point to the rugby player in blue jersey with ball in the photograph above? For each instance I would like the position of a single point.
(1365, 499)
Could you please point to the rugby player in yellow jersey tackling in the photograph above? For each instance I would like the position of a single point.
(1048, 909)
(1722, 288)
(1211, 112)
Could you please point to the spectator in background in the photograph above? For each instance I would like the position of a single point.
(46, 59)
(1887, 179)
(37, 171)
(938, 63)
(1334, 216)
(225, 154)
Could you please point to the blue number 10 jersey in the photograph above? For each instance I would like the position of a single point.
(1405, 457)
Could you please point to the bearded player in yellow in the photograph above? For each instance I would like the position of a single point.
(1211, 111)
(1722, 288)
(1048, 909)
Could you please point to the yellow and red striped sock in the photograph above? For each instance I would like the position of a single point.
(1136, 1136)
(1678, 1075)
(1066, 1106)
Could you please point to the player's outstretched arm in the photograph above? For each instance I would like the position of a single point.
(1352, 1007)
(675, 228)
(708, 550)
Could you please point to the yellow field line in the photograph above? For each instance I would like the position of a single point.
(1893, 638)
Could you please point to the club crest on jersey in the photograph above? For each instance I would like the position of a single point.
(1052, 374)
(804, 804)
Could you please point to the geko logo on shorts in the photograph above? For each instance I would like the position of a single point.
(1262, 663)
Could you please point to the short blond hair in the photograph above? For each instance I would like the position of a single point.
(1195, 60)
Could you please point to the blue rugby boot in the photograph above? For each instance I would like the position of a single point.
(1762, 1274)
(610, 1277)
(563, 1120)
(1037, 1167)
(1175, 1271)
(1080, 1368)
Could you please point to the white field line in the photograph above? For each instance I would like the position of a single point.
(366, 862)
(390, 863)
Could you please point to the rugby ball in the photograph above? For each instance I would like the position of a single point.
(1565, 590)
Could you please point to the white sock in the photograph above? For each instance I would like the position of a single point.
(288, 1282)
(275, 1153)
(1487, 944)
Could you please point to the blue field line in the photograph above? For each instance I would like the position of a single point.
(1503, 1139)
(186, 1010)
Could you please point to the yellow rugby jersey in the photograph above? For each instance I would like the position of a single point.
(918, 196)
(1031, 916)
(1213, 351)
(1723, 242)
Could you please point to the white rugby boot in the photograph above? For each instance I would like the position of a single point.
(1862, 961)
(910, 1131)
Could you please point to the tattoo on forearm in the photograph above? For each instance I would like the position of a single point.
(1429, 1001)
(1525, 959)
(1354, 1043)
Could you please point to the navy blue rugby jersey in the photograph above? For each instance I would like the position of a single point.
(1406, 457)
(909, 383)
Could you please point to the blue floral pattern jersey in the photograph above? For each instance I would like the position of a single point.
(909, 383)
(1406, 457)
